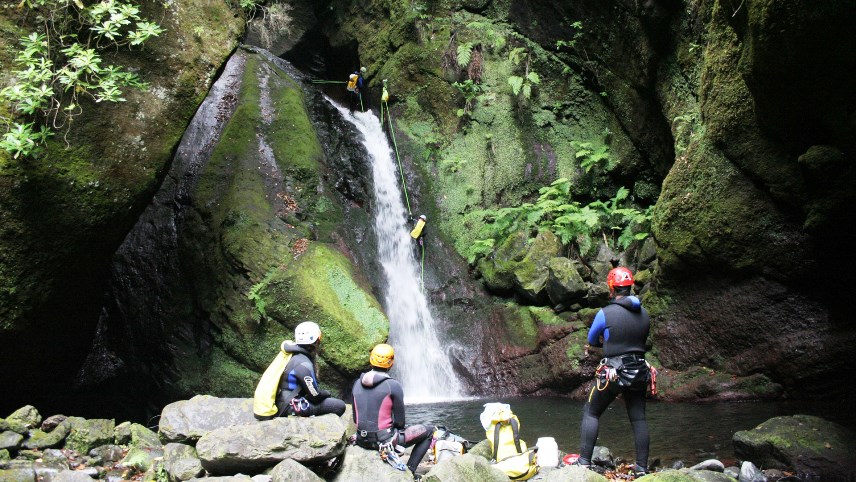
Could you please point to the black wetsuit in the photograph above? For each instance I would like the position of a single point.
(299, 381)
(624, 325)
(379, 415)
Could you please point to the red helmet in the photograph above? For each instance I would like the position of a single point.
(619, 277)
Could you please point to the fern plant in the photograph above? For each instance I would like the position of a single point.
(522, 83)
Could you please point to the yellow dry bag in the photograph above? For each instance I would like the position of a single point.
(417, 231)
(264, 399)
(352, 82)
(509, 452)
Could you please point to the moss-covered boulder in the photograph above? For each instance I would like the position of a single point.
(686, 475)
(572, 473)
(86, 434)
(497, 269)
(39, 439)
(359, 463)
(181, 462)
(188, 420)
(292, 471)
(565, 285)
(10, 440)
(701, 383)
(531, 273)
(24, 419)
(142, 437)
(807, 444)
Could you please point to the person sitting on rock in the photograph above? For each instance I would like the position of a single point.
(623, 326)
(379, 410)
(289, 386)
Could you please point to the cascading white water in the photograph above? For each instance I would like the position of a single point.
(421, 363)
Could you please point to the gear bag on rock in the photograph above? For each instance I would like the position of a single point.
(509, 453)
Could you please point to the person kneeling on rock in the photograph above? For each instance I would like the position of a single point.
(379, 411)
(289, 386)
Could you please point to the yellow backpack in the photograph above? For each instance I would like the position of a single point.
(509, 452)
(417, 230)
(264, 399)
(352, 82)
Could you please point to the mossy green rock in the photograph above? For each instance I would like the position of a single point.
(686, 475)
(17, 475)
(87, 434)
(181, 462)
(122, 433)
(362, 464)
(142, 437)
(37, 439)
(292, 471)
(4, 455)
(497, 269)
(531, 273)
(808, 444)
(24, 419)
(141, 458)
(564, 283)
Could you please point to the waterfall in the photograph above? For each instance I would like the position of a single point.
(421, 362)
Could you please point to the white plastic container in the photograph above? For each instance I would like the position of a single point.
(548, 452)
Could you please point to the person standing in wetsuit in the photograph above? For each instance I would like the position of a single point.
(379, 410)
(623, 325)
(298, 392)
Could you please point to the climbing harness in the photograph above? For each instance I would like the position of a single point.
(388, 455)
(625, 370)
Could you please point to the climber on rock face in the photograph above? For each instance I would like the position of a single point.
(355, 87)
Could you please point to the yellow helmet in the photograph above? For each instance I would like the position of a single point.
(382, 356)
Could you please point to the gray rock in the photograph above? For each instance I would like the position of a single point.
(18, 475)
(107, 453)
(40, 439)
(530, 274)
(602, 456)
(46, 474)
(290, 471)
(71, 476)
(189, 420)
(361, 464)
(687, 475)
(19, 464)
(55, 458)
(52, 422)
(10, 440)
(750, 473)
(465, 467)
(810, 445)
(85, 434)
(4, 455)
(181, 462)
(481, 449)
(570, 473)
(122, 433)
(262, 444)
(24, 419)
(732, 471)
(55, 463)
(261, 478)
(710, 464)
(142, 437)
(598, 294)
(4, 425)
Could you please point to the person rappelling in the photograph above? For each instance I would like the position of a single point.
(355, 86)
(418, 231)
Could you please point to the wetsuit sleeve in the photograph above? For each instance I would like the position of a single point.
(597, 329)
(309, 387)
(397, 395)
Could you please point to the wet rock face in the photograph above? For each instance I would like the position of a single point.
(65, 212)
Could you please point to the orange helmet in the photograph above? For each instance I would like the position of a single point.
(382, 356)
(619, 277)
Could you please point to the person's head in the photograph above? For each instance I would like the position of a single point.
(362, 70)
(307, 335)
(620, 281)
(423, 218)
(382, 357)
(384, 81)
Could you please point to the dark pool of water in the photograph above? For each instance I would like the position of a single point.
(689, 432)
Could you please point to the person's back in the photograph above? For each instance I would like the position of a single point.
(378, 407)
(378, 402)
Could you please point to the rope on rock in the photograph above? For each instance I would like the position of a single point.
(397, 157)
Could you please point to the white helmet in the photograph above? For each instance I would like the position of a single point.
(307, 333)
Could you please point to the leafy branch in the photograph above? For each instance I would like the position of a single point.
(62, 62)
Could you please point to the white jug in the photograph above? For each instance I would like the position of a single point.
(548, 452)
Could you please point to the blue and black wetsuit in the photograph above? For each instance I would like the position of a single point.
(379, 415)
(299, 381)
(624, 325)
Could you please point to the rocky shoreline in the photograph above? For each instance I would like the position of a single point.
(218, 439)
